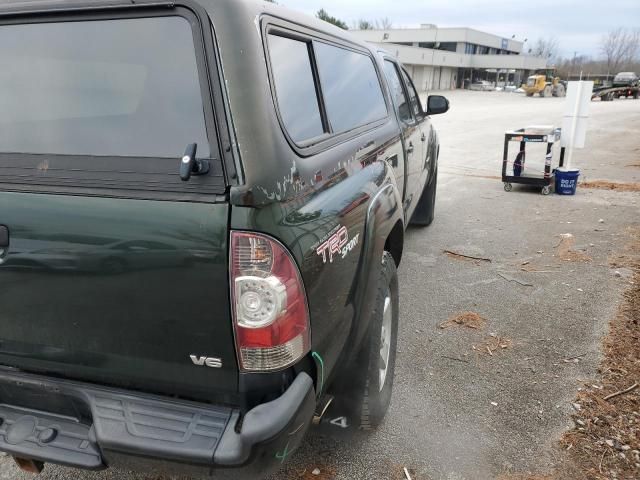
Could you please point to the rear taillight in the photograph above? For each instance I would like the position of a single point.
(269, 304)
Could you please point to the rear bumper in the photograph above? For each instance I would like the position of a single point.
(90, 427)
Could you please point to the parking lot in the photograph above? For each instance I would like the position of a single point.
(491, 398)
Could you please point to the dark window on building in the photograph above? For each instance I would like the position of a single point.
(414, 100)
(350, 87)
(106, 88)
(295, 88)
(470, 48)
(397, 91)
(447, 46)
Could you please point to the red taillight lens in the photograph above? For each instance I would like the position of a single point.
(269, 304)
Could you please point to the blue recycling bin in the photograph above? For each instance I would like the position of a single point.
(566, 181)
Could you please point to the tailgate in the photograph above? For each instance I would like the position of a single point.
(117, 291)
(116, 269)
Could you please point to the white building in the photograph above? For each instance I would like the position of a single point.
(446, 58)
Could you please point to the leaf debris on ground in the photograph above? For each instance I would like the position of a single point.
(607, 185)
(492, 344)
(565, 250)
(465, 319)
(605, 443)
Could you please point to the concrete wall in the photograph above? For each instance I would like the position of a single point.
(411, 35)
(428, 78)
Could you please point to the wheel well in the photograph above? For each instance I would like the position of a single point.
(395, 242)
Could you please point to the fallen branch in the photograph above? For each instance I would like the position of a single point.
(455, 358)
(622, 392)
(456, 254)
(509, 278)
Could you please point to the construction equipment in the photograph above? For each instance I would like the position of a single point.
(545, 83)
(625, 84)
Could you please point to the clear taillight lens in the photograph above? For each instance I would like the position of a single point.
(269, 304)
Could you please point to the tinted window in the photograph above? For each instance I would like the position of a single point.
(295, 87)
(397, 92)
(109, 87)
(350, 87)
(413, 95)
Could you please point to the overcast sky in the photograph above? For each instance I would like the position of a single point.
(578, 25)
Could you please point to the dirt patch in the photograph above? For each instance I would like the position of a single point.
(493, 345)
(605, 443)
(565, 251)
(465, 319)
(636, 165)
(607, 185)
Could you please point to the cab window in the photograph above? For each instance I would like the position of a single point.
(414, 99)
(397, 91)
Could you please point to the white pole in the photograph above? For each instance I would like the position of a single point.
(574, 124)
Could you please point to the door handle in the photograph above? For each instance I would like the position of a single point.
(410, 148)
(423, 137)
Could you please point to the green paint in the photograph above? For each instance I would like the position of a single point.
(282, 456)
(318, 358)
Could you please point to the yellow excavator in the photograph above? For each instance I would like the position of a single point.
(545, 83)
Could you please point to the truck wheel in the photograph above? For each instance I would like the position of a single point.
(364, 388)
(378, 356)
(425, 210)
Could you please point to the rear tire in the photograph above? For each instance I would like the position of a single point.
(424, 213)
(364, 389)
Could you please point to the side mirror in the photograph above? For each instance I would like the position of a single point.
(437, 104)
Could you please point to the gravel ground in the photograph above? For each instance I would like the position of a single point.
(457, 411)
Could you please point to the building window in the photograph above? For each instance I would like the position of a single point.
(446, 46)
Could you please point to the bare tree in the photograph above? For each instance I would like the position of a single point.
(384, 24)
(620, 48)
(545, 48)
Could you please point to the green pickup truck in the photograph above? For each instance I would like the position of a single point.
(202, 209)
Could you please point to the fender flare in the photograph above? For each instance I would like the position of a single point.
(384, 211)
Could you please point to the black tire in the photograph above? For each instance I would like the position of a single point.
(359, 390)
(425, 211)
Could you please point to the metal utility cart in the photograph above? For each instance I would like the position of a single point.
(538, 134)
